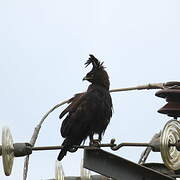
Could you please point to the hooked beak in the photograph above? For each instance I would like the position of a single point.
(86, 78)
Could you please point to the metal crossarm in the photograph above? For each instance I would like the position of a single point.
(116, 167)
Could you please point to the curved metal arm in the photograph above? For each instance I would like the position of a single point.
(116, 147)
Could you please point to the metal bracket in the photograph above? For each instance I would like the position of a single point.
(22, 149)
(116, 167)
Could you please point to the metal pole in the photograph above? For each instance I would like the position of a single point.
(95, 146)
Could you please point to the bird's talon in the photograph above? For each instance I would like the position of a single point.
(95, 142)
(74, 149)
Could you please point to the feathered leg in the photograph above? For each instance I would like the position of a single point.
(100, 138)
(91, 139)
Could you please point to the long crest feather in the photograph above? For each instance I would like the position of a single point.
(95, 62)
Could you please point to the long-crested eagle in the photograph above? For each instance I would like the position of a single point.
(88, 113)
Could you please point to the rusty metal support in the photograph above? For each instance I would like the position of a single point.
(93, 177)
(118, 168)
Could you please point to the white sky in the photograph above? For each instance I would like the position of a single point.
(43, 47)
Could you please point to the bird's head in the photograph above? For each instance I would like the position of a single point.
(97, 75)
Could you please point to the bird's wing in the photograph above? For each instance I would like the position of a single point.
(74, 102)
(81, 111)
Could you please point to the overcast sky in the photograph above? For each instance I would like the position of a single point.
(43, 47)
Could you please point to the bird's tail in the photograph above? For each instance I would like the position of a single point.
(66, 145)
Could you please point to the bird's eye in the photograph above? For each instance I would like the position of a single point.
(90, 75)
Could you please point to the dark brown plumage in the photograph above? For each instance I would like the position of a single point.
(89, 113)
